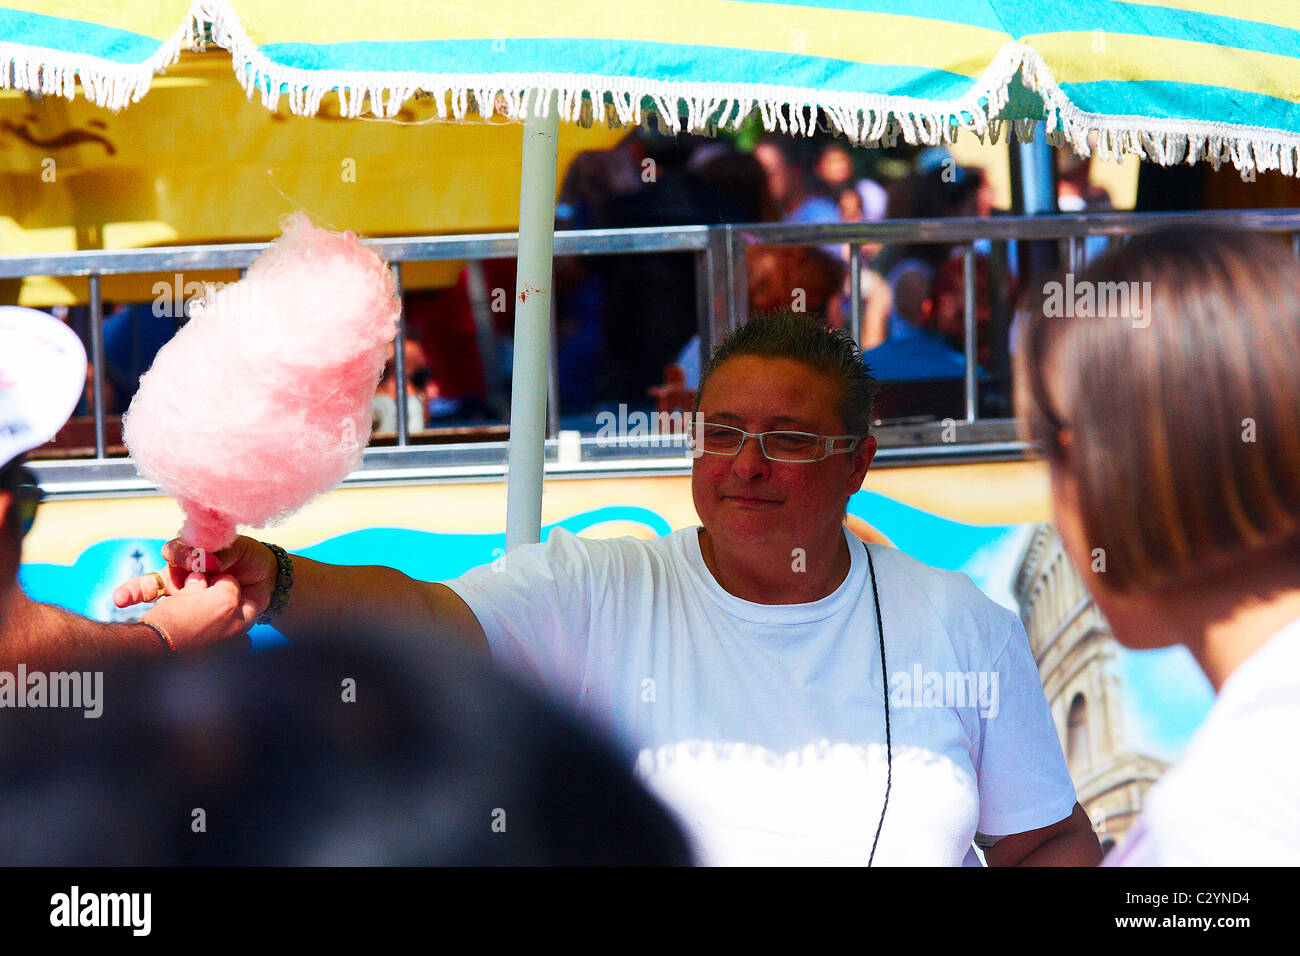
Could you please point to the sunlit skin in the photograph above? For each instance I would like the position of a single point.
(835, 167)
(756, 512)
(850, 204)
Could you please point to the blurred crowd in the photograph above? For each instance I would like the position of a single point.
(626, 328)
(623, 320)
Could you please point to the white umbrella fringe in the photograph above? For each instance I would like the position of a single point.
(863, 118)
(105, 83)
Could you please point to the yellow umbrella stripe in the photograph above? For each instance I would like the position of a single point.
(1076, 58)
(159, 19)
(848, 35)
(1278, 13)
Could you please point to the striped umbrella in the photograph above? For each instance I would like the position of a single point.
(1173, 81)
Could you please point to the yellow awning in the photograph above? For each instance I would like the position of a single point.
(196, 161)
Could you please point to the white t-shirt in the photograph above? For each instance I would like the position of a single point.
(1234, 798)
(762, 725)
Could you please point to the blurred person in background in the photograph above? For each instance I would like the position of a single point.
(464, 331)
(938, 189)
(1076, 192)
(800, 197)
(593, 179)
(850, 203)
(133, 335)
(877, 299)
(419, 384)
(1169, 422)
(920, 289)
(945, 311)
(802, 278)
(834, 168)
(736, 185)
(798, 278)
(648, 302)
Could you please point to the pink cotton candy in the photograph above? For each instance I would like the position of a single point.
(262, 400)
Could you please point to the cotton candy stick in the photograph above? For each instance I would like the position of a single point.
(262, 400)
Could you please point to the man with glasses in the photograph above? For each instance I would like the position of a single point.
(746, 658)
(42, 373)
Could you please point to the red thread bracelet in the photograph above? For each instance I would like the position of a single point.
(166, 638)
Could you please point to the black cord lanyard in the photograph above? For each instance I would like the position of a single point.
(884, 677)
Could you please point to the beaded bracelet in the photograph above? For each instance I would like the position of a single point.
(283, 584)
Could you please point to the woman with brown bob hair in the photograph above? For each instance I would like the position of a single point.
(1163, 385)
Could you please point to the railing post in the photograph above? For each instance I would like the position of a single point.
(737, 278)
(972, 383)
(713, 281)
(399, 362)
(1033, 193)
(485, 333)
(855, 291)
(97, 364)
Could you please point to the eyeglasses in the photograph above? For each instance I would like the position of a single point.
(714, 439)
(20, 482)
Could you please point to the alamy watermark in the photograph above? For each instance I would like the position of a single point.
(920, 687)
(1116, 300)
(76, 908)
(638, 429)
(180, 299)
(56, 689)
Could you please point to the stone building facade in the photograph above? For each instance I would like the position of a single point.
(1076, 656)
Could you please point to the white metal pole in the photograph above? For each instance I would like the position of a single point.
(532, 326)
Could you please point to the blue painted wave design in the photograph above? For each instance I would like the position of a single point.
(1167, 697)
(86, 586)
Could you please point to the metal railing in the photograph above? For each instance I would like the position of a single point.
(720, 254)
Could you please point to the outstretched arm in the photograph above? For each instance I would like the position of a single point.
(325, 599)
(46, 637)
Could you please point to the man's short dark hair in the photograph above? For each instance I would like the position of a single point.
(784, 333)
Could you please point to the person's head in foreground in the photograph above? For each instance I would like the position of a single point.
(805, 386)
(1167, 401)
(42, 371)
(356, 752)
